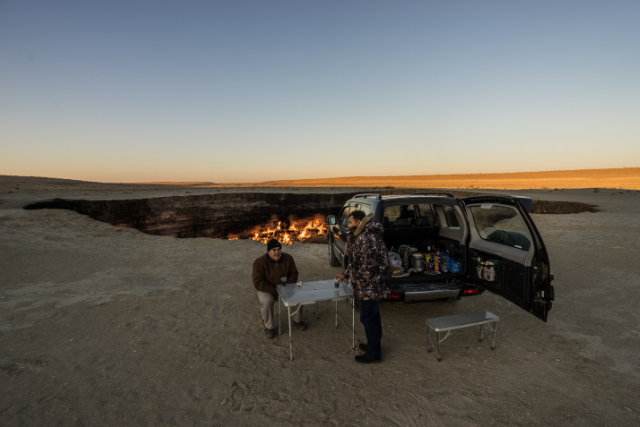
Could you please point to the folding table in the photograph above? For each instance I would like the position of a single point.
(312, 293)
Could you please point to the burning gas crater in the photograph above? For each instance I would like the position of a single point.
(286, 232)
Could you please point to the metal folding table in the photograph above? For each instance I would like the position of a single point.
(312, 293)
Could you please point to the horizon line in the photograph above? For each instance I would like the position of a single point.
(465, 175)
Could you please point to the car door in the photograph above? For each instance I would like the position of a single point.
(506, 254)
(341, 232)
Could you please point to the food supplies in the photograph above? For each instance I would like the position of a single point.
(395, 260)
(488, 270)
(396, 271)
(454, 266)
(405, 254)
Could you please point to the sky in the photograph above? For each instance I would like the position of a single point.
(251, 91)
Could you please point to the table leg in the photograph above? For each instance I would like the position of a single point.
(290, 339)
(353, 323)
(438, 346)
(279, 316)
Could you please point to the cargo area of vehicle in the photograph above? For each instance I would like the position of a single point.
(429, 229)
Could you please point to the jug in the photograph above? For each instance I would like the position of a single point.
(417, 262)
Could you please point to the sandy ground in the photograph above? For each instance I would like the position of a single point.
(620, 178)
(108, 326)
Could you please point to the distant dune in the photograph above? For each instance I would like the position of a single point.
(623, 178)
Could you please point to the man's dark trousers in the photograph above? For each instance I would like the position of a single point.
(370, 319)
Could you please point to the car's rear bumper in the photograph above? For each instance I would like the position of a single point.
(430, 295)
(432, 292)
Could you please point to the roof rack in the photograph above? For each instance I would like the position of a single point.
(433, 194)
(368, 196)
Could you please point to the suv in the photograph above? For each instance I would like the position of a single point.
(473, 230)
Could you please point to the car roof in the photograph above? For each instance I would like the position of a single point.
(414, 198)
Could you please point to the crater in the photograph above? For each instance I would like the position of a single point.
(243, 215)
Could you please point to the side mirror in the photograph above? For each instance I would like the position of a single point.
(331, 220)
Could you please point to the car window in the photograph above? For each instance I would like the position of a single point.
(344, 216)
(426, 211)
(501, 224)
(450, 216)
(361, 207)
(392, 212)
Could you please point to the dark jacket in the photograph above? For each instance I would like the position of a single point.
(368, 269)
(267, 273)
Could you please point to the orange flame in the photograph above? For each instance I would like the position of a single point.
(298, 230)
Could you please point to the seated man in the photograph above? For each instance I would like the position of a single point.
(270, 270)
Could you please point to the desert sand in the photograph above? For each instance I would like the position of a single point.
(620, 178)
(108, 326)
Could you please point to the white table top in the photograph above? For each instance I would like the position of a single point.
(462, 320)
(312, 292)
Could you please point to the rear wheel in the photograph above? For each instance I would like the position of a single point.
(333, 261)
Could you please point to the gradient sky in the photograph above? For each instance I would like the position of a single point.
(238, 91)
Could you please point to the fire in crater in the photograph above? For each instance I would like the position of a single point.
(287, 232)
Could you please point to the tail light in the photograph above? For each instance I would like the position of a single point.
(393, 296)
(470, 291)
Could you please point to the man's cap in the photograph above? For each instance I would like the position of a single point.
(273, 243)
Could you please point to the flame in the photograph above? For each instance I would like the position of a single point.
(298, 230)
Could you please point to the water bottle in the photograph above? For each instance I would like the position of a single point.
(443, 262)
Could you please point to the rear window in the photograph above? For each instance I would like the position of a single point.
(501, 224)
(426, 211)
(450, 215)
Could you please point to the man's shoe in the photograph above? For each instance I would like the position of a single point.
(368, 359)
(269, 333)
(363, 347)
(300, 325)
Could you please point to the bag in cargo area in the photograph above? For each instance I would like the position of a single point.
(454, 266)
(488, 270)
(395, 260)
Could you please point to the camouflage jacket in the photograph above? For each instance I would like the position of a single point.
(368, 268)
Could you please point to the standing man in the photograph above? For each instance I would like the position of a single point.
(269, 270)
(370, 277)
